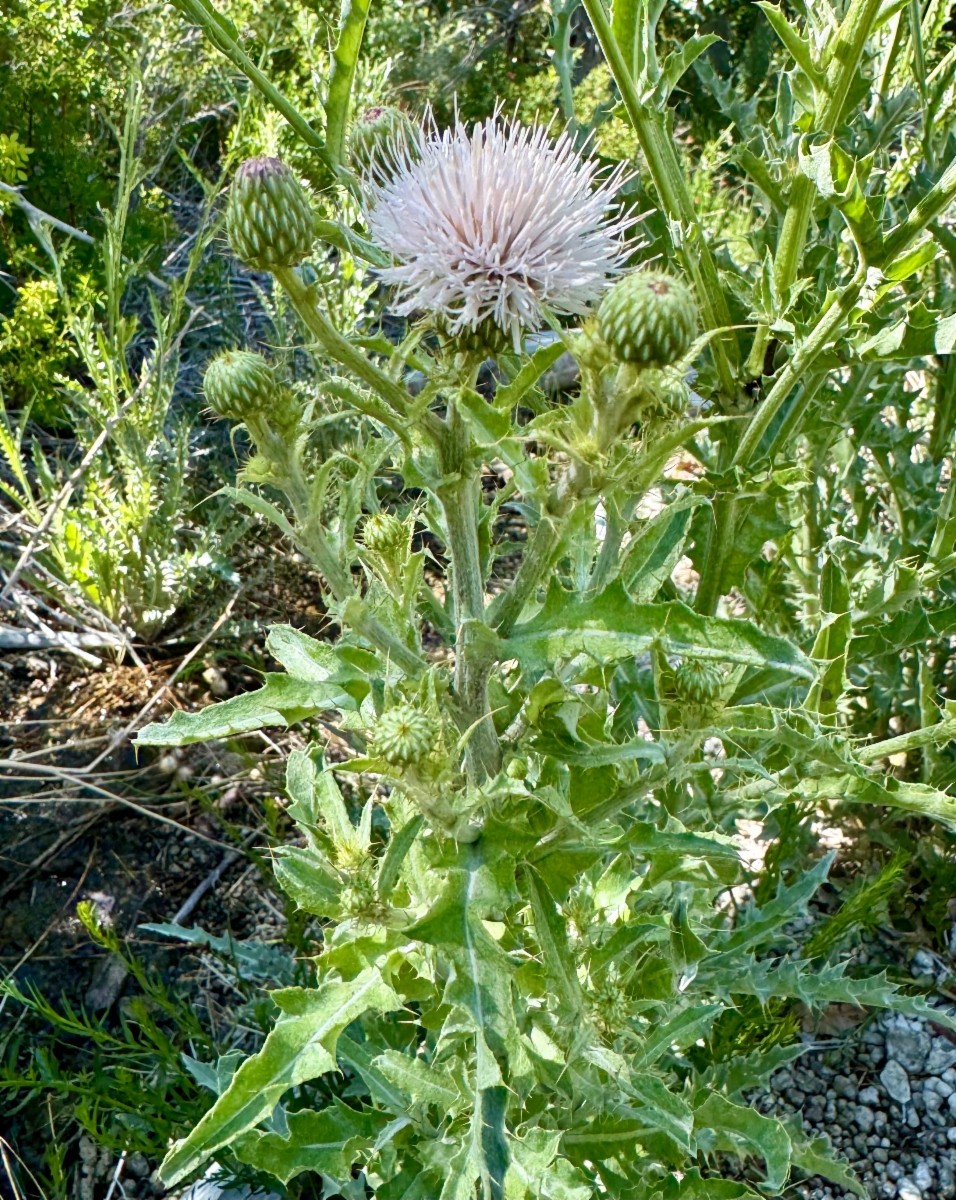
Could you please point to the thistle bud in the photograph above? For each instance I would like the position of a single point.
(269, 216)
(648, 319)
(405, 735)
(385, 535)
(697, 681)
(372, 134)
(239, 382)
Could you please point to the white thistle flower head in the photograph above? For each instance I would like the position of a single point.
(498, 224)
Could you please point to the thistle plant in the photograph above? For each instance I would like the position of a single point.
(522, 979)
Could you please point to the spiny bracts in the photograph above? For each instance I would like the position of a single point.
(269, 216)
(649, 319)
(386, 535)
(698, 681)
(404, 735)
(374, 137)
(238, 383)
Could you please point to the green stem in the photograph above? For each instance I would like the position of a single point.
(845, 59)
(507, 606)
(819, 338)
(719, 545)
(459, 499)
(793, 234)
(356, 614)
(928, 714)
(933, 205)
(932, 735)
(663, 163)
(303, 299)
(563, 59)
(203, 14)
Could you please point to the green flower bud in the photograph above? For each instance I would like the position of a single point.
(239, 382)
(405, 735)
(487, 340)
(385, 535)
(372, 133)
(517, 768)
(648, 319)
(698, 681)
(269, 216)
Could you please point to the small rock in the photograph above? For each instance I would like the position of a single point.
(951, 1136)
(879, 1155)
(942, 1057)
(864, 1118)
(912, 1119)
(796, 1097)
(907, 1042)
(923, 1176)
(869, 1096)
(845, 1087)
(108, 980)
(923, 963)
(895, 1079)
(906, 1189)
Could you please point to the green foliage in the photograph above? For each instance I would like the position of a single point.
(537, 984)
(554, 976)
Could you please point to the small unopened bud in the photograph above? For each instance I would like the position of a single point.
(698, 681)
(238, 382)
(648, 319)
(386, 535)
(269, 217)
(405, 735)
(372, 134)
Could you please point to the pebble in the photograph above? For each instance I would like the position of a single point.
(896, 1080)
(906, 1189)
(908, 1042)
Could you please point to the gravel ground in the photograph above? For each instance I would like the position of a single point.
(886, 1099)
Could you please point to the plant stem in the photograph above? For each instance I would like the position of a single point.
(303, 299)
(658, 148)
(719, 545)
(932, 735)
(563, 59)
(459, 499)
(202, 13)
(819, 338)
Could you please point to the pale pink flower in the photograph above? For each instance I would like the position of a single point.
(500, 222)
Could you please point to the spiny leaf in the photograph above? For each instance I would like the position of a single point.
(740, 1129)
(281, 701)
(612, 627)
(300, 1047)
(328, 1142)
